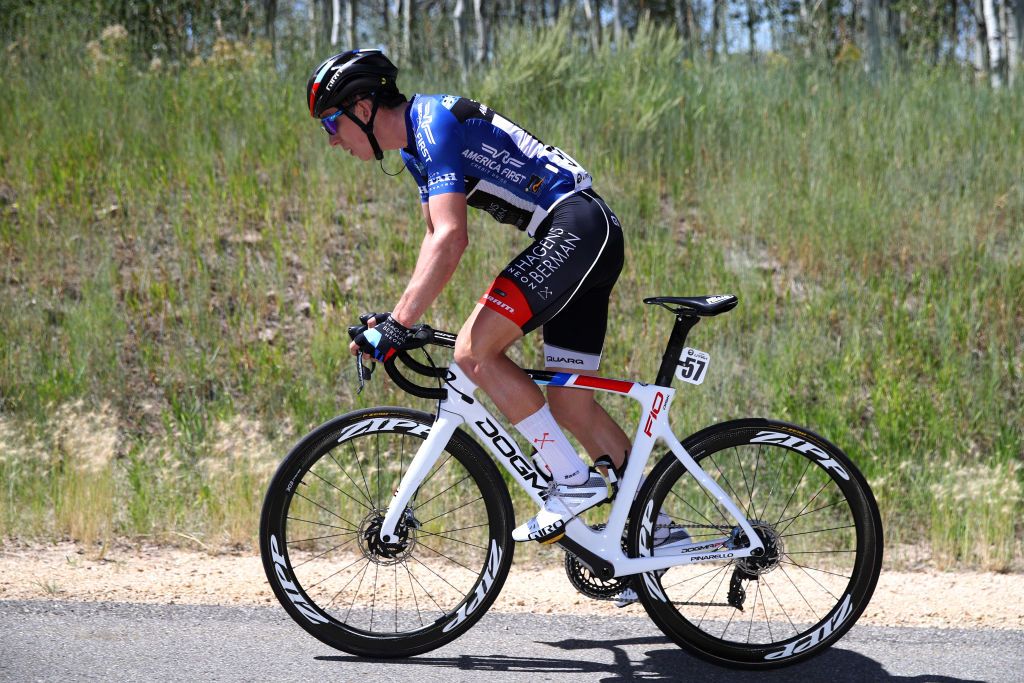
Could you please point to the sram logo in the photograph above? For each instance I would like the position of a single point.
(801, 446)
(486, 581)
(818, 635)
(281, 569)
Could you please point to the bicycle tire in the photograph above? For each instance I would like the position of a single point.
(319, 546)
(822, 531)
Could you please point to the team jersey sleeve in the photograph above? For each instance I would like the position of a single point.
(418, 173)
(440, 142)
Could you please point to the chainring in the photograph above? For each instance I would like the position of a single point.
(590, 585)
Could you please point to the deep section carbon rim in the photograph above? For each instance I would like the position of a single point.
(817, 521)
(360, 594)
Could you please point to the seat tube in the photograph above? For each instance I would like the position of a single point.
(676, 343)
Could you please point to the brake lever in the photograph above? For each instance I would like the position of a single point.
(363, 372)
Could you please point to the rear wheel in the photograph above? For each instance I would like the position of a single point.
(323, 555)
(820, 527)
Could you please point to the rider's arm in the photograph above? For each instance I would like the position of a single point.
(445, 240)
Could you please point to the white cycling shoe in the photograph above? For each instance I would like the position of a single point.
(665, 531)
(561, 504)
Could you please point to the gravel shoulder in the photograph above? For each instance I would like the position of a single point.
(161, 575)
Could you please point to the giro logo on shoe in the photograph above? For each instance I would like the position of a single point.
(486, 581)
(547, 532)
(281, 568)
(815, 637)
(646, 534)
(801, 446)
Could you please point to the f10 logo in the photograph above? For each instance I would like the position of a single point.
(659, 403)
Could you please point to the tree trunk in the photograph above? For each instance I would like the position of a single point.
(459, 28)
(716, 28)
(311, 18)
(752, 29)
(408, 10)
(350, 23)
(1011, 16)
(481, 32)
(1018, 12)
(995, 42)
(953, 35)
(335, 22)
(874, 63)
(617, 25)
(270, 29)
(594, 25)
(981, 63)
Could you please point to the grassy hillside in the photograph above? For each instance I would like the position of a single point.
(182, 254)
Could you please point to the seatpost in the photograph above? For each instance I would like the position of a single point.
(676, 344)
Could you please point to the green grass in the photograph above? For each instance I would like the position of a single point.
(180, 249)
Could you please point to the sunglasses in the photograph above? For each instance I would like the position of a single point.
(330, 123)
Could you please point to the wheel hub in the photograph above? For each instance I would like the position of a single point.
(769, 558)
(379, 552)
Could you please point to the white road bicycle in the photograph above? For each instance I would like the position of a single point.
(386, 532)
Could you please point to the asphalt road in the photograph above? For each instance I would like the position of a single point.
(62, 641)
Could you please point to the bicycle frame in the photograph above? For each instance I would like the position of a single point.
(597, 547)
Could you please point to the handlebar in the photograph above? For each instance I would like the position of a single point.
(423, 335)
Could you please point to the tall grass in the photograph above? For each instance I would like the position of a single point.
(182, 251)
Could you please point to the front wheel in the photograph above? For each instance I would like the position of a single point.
(820, 527)
(322, 551)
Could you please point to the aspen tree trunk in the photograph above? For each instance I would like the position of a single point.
(1018, 12)
(408, 9)
(270, 7)
(459, 26)
(481, 32)
(617, 11)
(1011, 16)
(716, 28)
(874, 63)
(954, 34)
(350, 23)
(981, 64)
(752, 28)
(995, 42)
(311, 18)
(594, 24)
(335, 22)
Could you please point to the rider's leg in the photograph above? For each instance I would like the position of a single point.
(578, 411)
(480, 353)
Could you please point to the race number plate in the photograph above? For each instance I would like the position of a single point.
(692, 366)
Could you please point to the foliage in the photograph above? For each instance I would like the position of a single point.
(180, 251)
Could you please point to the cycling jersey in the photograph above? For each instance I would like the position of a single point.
(458, 145)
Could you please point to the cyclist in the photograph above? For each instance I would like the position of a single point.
(462, 153)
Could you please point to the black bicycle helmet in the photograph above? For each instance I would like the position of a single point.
(345, 76)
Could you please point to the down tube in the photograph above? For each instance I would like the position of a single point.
(712, 487)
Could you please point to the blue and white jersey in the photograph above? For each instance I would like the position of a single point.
(458, 145)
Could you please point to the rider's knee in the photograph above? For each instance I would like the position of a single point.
(469, 357)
